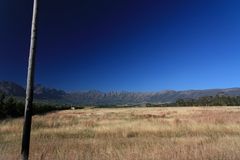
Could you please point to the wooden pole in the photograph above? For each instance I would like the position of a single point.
(30, 86)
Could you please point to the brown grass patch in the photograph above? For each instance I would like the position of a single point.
(129, 133)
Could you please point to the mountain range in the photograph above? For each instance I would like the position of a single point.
(95, 97)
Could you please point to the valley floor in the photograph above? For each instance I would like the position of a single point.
(184, 133)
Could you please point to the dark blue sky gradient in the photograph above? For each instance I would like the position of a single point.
(133, 45)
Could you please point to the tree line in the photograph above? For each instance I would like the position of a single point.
(11, 108)
(218, 100)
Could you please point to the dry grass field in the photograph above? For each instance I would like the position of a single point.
(128, 134)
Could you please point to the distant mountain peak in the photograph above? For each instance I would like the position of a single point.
(11, 88)
(95, 97)
(40, 92)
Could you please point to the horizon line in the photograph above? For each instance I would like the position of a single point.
(99, 90)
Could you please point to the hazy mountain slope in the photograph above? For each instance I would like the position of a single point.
(121, 98)
(40, 92)
(11, 88)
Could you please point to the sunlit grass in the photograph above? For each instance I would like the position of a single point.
(134, 133)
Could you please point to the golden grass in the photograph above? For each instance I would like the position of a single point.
(188, 133)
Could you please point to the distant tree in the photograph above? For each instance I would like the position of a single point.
(2, 107)
(2, 97)
(180, 102)
(11, 107)
(218, 100)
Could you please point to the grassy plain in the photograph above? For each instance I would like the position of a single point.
(184, 133)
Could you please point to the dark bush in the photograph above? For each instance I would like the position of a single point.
(11, 108)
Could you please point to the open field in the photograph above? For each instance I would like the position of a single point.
(128, 134)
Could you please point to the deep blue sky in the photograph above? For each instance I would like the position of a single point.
(132, 45)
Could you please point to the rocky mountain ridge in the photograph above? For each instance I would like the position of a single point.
(111, 98)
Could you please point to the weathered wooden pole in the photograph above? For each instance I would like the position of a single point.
(30, 86)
